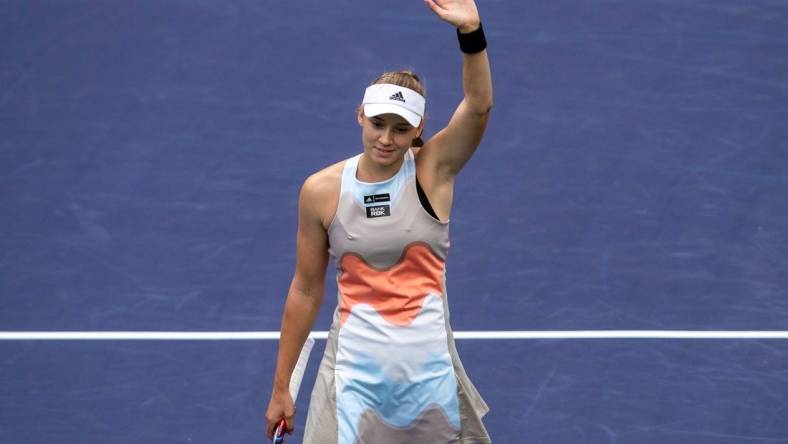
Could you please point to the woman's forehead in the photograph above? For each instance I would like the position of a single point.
(394, 119)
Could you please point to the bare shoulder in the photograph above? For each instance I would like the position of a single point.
(323, 182)
(320, 192)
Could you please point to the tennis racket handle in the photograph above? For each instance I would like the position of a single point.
(279, 433)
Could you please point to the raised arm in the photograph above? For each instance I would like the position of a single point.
(303, 301)
(450, 148)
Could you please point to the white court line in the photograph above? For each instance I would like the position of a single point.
(274, 335)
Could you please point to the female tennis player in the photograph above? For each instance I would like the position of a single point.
(390, 372)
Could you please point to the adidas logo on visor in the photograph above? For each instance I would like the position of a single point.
(398, 96)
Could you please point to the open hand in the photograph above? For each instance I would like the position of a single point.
(463, 14)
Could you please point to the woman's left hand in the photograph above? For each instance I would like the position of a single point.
(460, 13)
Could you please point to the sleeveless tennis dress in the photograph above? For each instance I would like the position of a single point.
(390, 373)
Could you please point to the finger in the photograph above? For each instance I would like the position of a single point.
(435, 7)
(270, 425)
(290, 424)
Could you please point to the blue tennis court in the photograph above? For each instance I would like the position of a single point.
(634, 176)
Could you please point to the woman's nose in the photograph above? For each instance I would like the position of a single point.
(385, 136)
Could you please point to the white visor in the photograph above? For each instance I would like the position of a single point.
(386, 98)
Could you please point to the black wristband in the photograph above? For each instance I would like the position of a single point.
(472, 42)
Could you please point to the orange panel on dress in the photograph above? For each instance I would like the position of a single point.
(396, 293)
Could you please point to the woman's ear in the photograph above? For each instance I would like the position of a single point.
(360, 115)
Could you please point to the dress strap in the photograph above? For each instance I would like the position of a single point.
(349, 173)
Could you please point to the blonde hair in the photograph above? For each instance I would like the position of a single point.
(407, 79)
